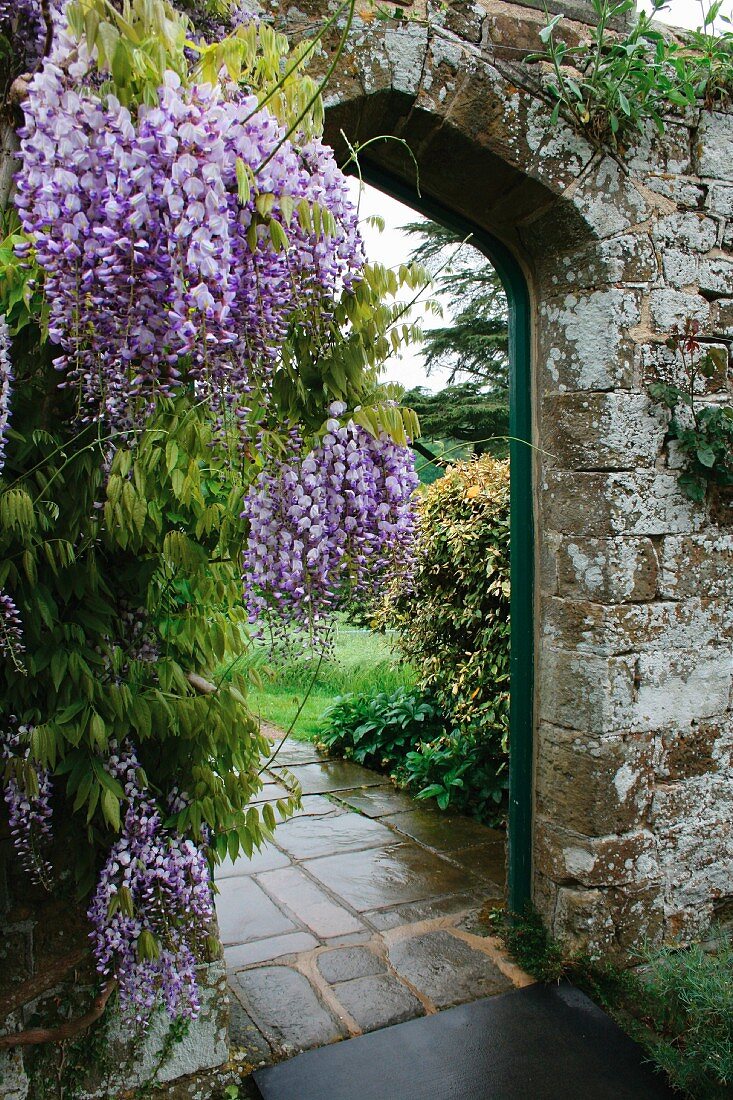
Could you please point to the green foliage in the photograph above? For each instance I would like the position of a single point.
(452, 619)
(297, 692)
(475, 345)
(460, 770)
(611, 84)
(684, 1003)
(103, 567)
(464, 413)
(378, 730)
(704, 435)
(530, 944)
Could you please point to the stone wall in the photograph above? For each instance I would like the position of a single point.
(633, 739)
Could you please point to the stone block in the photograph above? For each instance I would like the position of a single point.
(607, 504)
(582, 922)
(466, 20)
(571, 858)
(405, 46)
(721, 317)
(719, 199)
(715, 275)
(629, 259)
(699, 749)
(682, 192)
(594, 785)
(609, 202)
(549, 547)
(671, 308)
(606, 570)
(14, 1084)
(584, 692)
(657, 362)
(681, 269)
(680, 687)
(602, 431)
(624, 628)
(692, 565)
(584, 342)
(715, 146)
(692, 801)
(692, 232)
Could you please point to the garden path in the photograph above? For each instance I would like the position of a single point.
(366, 911)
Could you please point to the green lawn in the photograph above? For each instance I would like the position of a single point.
(299, 691)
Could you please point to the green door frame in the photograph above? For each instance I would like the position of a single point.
(521, 720)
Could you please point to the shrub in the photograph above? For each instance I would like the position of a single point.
(452, 621)
(378, 730)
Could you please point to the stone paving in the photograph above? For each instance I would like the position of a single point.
(364, 912)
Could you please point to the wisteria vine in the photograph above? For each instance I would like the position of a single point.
(324, 522)
(152, 910)
(179, 243)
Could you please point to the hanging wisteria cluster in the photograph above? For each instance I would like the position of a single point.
(29, 814)
(324, 522)
(11, 627)
(152, 910)
(154, 265)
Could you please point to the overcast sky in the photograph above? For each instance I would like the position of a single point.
(392, 247)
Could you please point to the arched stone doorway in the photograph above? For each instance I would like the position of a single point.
(631, 659)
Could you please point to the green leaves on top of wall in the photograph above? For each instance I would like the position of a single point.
(611, 83)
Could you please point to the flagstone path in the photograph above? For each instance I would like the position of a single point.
(365, 912)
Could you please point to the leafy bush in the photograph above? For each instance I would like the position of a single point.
(452, 621)
(378, 730)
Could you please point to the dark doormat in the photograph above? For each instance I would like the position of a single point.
(538, 1043)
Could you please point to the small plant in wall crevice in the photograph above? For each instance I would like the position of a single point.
(703, 433)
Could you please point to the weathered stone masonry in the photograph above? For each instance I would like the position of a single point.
(632, 833)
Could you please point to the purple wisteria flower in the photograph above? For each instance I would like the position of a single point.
(29, 813)
(6, 383)
(152, 909)
(153, 264)
(326, 523)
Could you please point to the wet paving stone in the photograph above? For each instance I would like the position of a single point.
(247, 954)
(297, 752)
(309, 904)
(308, 837)
(346, 963)
(245, 912)
(378, 1001)
(377, 801)
(286, 1008)
(447, 970)
(244, 1035)
(488, 861)
(333, 775)
(384, 919)
(378, 878)
(317, 805)
(442, 832)
(266, 859)
(271, 792)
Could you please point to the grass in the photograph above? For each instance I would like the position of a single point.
(362, 661)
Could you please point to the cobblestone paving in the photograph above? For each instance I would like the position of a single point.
(363, 913)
